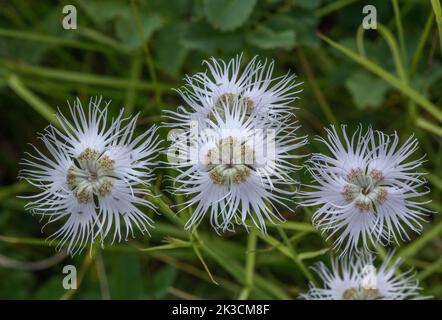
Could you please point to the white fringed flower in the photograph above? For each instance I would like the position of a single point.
(267, 97)
(235, 169)
(356, 278)
(94, 176)
(366, 189)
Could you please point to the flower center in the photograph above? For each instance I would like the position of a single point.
(228, 100)
(229, 162)
(361, 293)
(365, 189)
(92, 174)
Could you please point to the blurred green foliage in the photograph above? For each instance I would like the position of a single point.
(134, 52)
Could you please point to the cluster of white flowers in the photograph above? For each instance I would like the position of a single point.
(237, 139)
(234, 148)
(94, 177)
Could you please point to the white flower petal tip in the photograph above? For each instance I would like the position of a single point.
(356, 278)
(236, 168)
(366, 189)
(264, 95)
(93, 177)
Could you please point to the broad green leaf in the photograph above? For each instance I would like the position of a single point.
(168, 51)
(15, 284)
(51, 289)
(103, 11)
(173, 9)
(302, 22)
(308, 4)
(202, 36)
(366, 90)
(133, 33)
(424, 80)
(266, 38)
(163, 280)
(125, 277)
(228, 15)
(130, 29)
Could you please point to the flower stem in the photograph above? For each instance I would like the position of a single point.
(250, 264)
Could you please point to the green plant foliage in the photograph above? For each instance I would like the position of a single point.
(366, 90)
(228, 15)
(163, 280)
(126, 277)
(201, 36)
(266, 38)
(134, 52)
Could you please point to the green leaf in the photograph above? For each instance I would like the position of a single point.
(266, 38)
(302, 22)
(163, 280)
(103, 11)
(172, 9)
(131, 30)
(126, 279)
(15, 284)
(51, 289)
(228, 15)
(366, 90)
(308, 4)
(425, 79)
(33, 100)
(168, 51)
(202, 36)
(133, 35)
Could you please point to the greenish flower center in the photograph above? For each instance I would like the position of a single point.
(229, 162)
(228, 100)
(92, 174)
(361, 294)
(365, 189)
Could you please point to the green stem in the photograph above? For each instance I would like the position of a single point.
(432, 268)
(397, 15)
(418, 244)
(424, 124)
(333, 6)
(149, 60)
(34, 101)
(320, 97)
(388, 77)
(250, 264)
(30, 36)
(84, 78)
(438, 13)
(421, 44)
(134, 77)
(290, 253)
(300, 263)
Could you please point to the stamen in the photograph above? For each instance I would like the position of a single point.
(361, 294)
(227, 100)
(228, 163)
(365, 190)
(91, 175)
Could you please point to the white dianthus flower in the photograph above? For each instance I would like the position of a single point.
(356, 278)
(235, 169)
(262, 95)
(366, 189)
(94, 176)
